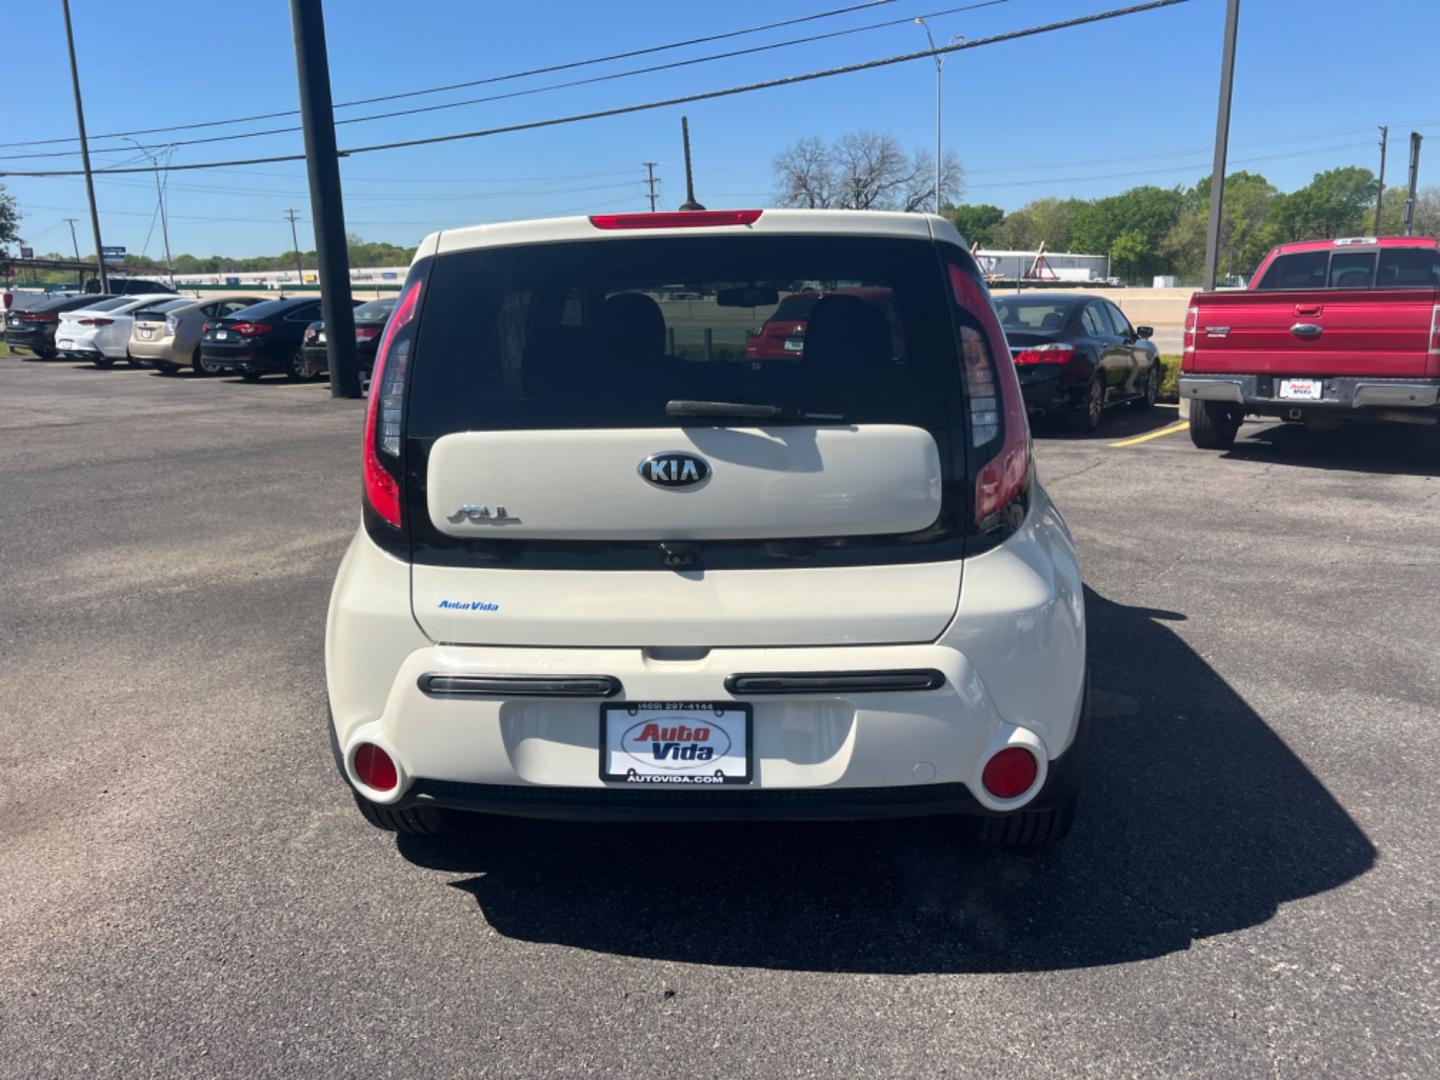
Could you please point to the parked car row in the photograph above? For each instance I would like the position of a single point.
(249, 335)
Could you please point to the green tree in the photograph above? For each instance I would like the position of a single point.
(1043, 221)
(977, 222)
(1245, 236)
(1427, 212)
(1338, 202)
(1143, 215)
(9, 218)
(1130, 251)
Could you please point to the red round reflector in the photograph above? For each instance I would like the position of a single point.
(1009, 773)
(374, 768)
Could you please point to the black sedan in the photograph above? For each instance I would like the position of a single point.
(369, 326)
(1078, 356)
(262, 338)
(34, 330)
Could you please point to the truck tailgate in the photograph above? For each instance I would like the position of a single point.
(1383, 333)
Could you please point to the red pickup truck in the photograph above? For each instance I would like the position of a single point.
(1328, 331)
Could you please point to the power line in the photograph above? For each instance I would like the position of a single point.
(591, 80)
(551, 69)
(622, 110)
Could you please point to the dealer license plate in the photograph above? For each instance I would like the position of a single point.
(676, 742)
(1302, 389)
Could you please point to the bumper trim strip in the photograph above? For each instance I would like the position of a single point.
(834, 682)
(565, 686)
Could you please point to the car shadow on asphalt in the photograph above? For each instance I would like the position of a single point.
(1363, 448)
(1195, 820)
(1121, 422)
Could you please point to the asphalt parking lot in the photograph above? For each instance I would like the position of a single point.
(1253, 886)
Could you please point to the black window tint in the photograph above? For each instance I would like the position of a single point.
(1301, 270)
(374, 310)
(1352, 269)
(1095, 324)
(266, 309)
(1408, 268)
(1119, 321)
(603, 333)
(306, 313)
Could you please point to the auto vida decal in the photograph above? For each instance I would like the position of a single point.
(674, 744)
(468, 605)
(674, 469)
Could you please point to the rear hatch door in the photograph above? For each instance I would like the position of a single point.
(573, 477)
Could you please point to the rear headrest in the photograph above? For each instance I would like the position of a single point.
(846, 335)
(1051, 321)
(633, 329)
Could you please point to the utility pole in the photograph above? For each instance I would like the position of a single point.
(74, 242)
(689, 203)
(1415, 138)
(322, 159)
(295, 243)
(1380, 187)
(650, 168)
(1222, 143)
(85, 153)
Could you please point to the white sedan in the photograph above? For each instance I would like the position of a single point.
(101, 332)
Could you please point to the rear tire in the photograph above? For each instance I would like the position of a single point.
(412, 821)
(202, 367)
(1028, 829)
(1214, 424)
(297, 368)
(1087, 420)
(1146, 401)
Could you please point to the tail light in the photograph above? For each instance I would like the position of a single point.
(251, 329)
(382, 417)
(999, 457)
(9, 298)
(1009, 774)
(96, 322)
(1192, 323)
(366, 333)
(172, 325)
(679, 219)
(39, 317)
(1046, 354)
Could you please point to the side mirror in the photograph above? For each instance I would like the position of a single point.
(1144, 331)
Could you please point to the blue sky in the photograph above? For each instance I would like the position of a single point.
(1079, 112)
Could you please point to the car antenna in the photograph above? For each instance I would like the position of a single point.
(689, 203)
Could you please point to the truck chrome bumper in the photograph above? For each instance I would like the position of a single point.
(1258, 392)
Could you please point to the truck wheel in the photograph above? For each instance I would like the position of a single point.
(414, 821)
(1427, 444)
(1087, 420)
(1028, 829)
(1214, 424)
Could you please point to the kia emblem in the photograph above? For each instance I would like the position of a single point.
(675, 469)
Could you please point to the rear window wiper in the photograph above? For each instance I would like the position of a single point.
(743, 410)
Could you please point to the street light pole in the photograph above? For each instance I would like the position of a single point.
(1222, 143)
(939, 67)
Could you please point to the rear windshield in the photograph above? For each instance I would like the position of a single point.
(1398, 268)
(602, 334)
(1032, 315)
(264, 309)
(375, 310)
(164, 306)
(108, 305)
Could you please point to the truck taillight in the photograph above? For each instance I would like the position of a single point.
(999, 452)
(1192, 320)
(1435, 331)
(383, 414)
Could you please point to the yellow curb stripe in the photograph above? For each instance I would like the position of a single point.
(1179, 425)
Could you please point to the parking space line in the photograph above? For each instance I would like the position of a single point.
(1179, 425)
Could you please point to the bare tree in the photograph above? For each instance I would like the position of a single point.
(804, 175)
(864, 170)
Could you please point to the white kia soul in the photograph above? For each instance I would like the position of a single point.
(705, 515)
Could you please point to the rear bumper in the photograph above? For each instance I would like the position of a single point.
(163, 351)
(1012, 661)
(1045, 392)
(1342, 393)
